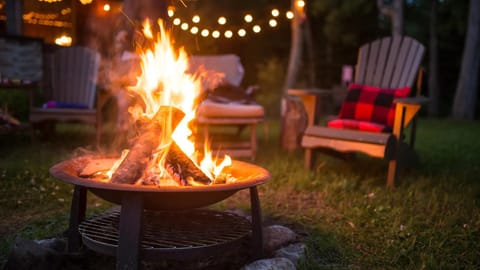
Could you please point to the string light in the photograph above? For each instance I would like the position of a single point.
(239, 30)
(300, 3)
(170, 12)
(106, 7)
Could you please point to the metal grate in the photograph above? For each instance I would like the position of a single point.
(177, 232)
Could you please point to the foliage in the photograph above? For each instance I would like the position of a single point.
(342, 210)
(270, 85)
(16, 102)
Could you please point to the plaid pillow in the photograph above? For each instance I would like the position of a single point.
(371, 104)
(358, 125)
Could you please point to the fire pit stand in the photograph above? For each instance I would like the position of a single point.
(126, 231)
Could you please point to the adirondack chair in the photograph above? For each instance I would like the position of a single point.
(227, 115)
(386, 69)
(72, 94)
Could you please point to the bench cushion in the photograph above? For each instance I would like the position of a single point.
(371, 104)
(211, 109)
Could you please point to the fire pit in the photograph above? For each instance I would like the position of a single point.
(163, 197)
(127, 233)
(163, 171)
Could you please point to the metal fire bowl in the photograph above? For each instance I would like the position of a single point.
(163, 197)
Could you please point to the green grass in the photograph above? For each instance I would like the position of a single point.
(341, 209)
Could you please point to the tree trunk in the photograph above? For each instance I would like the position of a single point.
(433, 93)
(310, 53)
(295, 50)
(294, 122)
(395, 12)
(291, 108)
(467, 86)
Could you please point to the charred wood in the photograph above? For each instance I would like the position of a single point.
(182, 169)
(133, 166)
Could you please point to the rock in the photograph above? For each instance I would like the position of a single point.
(240, 212)
(28, 254)
(270, 264)
(276, 236)
(293, 252)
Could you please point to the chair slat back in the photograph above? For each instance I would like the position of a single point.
(390, 62)
(74, 75)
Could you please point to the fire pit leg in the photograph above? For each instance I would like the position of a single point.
(131, 223)
(257, 234)
(77, 215)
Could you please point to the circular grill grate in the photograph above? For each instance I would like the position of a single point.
(172, 231)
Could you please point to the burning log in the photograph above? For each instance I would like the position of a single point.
(138, 158)
(182, 168)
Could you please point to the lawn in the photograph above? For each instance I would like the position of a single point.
(341, 209)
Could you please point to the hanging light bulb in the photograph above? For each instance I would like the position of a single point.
(170, 12)
(257, 28)
(289, 15)
(272, 22)
(216, 34)
(228, 34)
(205, 33)
(194, 30)
(241, 32)
(300, 3)
(184, 26)
(222, 20)
(196, 19)
(248, 18)
(176, 21)
(275, 12)
(106, 7)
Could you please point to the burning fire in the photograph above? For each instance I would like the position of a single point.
(165, 83)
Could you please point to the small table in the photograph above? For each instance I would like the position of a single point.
(312, 101)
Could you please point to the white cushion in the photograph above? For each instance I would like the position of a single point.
(230, 110)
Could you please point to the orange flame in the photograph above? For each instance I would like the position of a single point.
(165, 82)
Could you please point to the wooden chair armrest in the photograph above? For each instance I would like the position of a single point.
(405, 111)
(309, 98)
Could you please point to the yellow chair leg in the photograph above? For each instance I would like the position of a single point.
(392, 173)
